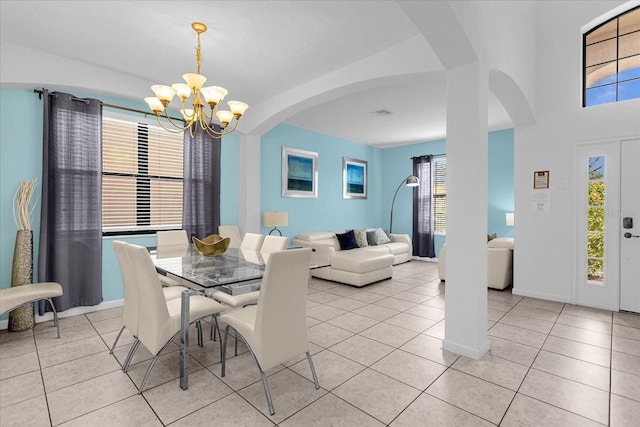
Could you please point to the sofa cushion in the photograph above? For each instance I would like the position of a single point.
(378, 237)
(501, 242)
(361, 237)
(318, 235)
(361, 261)
(347, 240)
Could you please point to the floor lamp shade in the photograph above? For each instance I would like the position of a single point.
(275, 220)
(410, 181)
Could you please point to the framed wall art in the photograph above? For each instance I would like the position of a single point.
(299, 173)
(354, 178)
(540, 180)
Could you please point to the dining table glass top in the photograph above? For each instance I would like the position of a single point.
(236, 266)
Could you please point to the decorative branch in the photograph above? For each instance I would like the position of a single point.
(23, 206)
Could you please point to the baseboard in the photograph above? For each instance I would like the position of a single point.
(540, 295)
(4, 324)
(473, 353)
(424, 259)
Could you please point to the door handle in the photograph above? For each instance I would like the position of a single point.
(629, 235)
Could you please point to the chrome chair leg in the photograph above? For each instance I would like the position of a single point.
(263, 376)
(313, 371)
(213, 331)
(224, 351)
(199, 329)
(55, 315)
(153, 362)
(216, 327)
(132, 350)
(267, 392)
(116, 341)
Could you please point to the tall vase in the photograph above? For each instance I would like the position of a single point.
(22, 318)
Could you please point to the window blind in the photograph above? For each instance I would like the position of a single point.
(142, 177)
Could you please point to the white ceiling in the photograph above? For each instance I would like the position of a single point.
(258, 50)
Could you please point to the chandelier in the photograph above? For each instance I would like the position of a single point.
(197, 116)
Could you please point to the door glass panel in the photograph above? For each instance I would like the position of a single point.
(596, 220)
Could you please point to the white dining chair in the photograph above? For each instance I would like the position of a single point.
(171, 242)
(171, 238)
(232, 232)
(275, 330)
(252, 241)
(159, 319)
(272, 244)
(131, 298)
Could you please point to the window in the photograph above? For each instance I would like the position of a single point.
(141, 177)
(611, 56)
(439, 178)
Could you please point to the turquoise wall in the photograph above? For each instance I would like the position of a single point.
(387, 169)
(329, 211)
(21, 158)
(501, 189)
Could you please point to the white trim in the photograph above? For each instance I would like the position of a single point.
(609, 15)
(540, 295)
(464, 350)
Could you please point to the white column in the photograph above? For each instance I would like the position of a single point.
(467, 187)
(249, 185)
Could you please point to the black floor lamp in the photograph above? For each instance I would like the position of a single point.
(410, 181)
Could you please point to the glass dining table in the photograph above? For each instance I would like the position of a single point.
(236, 271)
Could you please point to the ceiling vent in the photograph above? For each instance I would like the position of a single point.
(382, 112)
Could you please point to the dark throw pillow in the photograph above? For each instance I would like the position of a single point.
(347, 240)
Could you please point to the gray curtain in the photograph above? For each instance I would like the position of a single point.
(71, 208)
(423, 217)
(201, 185)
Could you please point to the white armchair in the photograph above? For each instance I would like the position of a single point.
(499, 262)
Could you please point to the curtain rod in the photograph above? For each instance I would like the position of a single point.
(432, 155)
(117, 107)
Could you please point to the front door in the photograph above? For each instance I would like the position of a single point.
(608, 255)
(630, 228)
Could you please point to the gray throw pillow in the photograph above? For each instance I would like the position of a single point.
(381, 237)
(371, 238)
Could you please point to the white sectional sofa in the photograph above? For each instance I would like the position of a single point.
(499, 262)
(357, 267)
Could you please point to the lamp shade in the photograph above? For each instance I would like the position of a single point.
(510, 219)
(275, 219)
(412, 181)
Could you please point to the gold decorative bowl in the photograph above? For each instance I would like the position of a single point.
(212, 245)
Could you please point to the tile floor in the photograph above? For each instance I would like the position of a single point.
(378, 355)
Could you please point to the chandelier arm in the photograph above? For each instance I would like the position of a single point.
(177, 126)
(177, 130)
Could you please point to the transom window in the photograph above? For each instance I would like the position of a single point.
(142, 171)
(612, 60)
